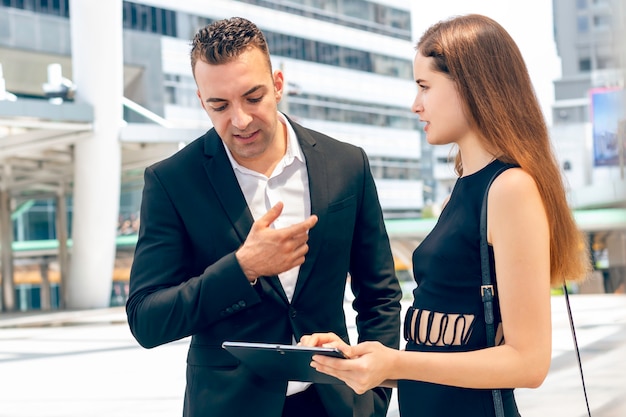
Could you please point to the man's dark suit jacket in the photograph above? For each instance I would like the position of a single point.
(186, 281)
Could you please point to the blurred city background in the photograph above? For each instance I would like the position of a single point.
(92, 92)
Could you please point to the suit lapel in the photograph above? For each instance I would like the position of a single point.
(318, 190)
(223, 180)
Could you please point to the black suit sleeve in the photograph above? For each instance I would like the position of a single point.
(373, 280)
(169, 300)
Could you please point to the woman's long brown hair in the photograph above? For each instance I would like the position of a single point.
(493, 82)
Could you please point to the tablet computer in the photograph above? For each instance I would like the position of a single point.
(283, 362)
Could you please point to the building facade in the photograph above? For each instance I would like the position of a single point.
(347, 63)
(589, 120)
(348, 67)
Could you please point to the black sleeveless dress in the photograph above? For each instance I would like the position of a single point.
(447, 312)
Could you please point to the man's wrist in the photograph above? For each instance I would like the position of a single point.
(250, 275)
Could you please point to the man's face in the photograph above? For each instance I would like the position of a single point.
(241, 99)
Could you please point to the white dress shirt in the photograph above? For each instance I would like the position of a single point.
(288, 183)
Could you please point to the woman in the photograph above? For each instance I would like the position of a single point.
(474, 91)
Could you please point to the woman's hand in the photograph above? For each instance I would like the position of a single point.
(368, 365)
(325, 340)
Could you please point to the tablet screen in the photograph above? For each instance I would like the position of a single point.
(283, 362)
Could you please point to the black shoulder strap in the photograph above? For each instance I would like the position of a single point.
(580, 364)
(486, 289)
(488, 294)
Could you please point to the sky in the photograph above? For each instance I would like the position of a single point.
(530, 24)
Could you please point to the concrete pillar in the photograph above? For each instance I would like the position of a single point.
(6, 233)
(97, 71)
(61, 232)
(44, 290)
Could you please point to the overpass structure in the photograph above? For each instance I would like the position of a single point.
(38, 141)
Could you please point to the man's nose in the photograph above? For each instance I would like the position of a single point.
(241, 118)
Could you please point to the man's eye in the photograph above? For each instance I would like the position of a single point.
(220, 108)
(255, 100)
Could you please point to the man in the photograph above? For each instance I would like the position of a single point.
(248, 234)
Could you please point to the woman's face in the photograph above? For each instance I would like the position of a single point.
(438, 104)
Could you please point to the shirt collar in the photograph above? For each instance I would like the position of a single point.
(293, 146)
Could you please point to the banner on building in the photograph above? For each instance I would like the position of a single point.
(607, 114)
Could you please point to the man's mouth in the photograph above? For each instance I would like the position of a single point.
(245, 136)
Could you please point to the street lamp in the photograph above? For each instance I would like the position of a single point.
(58, 88)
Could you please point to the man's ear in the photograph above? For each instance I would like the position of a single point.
(279, 84)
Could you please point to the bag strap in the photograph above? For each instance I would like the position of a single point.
(487, 290)
(488, 295)
(580, 364)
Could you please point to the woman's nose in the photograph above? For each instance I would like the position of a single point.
(417, 106)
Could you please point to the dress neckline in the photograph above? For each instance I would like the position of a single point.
(473, 174)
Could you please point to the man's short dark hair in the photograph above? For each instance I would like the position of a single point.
(224, 40)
